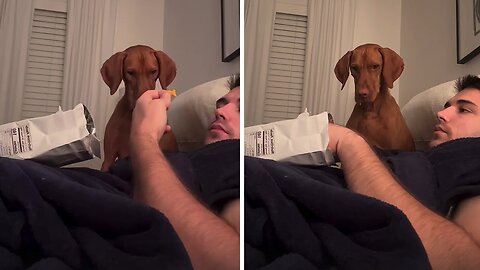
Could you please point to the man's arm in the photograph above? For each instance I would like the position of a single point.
(448, 245)
(231, 213)
(209, 240)
(467, 215)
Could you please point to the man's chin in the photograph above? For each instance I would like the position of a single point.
(436, 142)
(432, 144)
(214, 139)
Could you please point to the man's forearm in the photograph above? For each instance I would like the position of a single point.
(448, 246)
(210, 242)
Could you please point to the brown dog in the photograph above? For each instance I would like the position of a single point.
(376, 114)
(139, 67)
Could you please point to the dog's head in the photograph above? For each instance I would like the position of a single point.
(139, 67)
(373, 68)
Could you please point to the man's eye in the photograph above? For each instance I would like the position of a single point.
(463, 110)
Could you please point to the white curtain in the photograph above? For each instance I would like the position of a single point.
(90, 37)
(15, 18)
(3, 7)
(331, 24)
(259, 16)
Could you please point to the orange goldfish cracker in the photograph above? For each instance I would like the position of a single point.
(172, 92)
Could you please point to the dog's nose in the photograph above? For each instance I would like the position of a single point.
(363, 94)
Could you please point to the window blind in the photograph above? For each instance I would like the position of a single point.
(46, 54)
(283, 95)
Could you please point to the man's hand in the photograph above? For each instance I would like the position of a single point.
(149, 118)
(339, 137)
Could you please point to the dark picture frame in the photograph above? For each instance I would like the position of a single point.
(230, 29)
(468, 30)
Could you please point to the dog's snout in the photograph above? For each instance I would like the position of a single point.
(363, 93)
(137, 88)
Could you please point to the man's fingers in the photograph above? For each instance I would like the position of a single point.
(166, 96)
(162, 94)
(152, 95)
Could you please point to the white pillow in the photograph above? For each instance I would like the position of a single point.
(192, 111)
(420, 112)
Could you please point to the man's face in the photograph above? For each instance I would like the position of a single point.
(459, 119)
(227, 118)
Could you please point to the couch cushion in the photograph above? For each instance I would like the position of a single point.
(192, 111)
(420, 112)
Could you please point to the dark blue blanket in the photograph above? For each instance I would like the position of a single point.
(53, 218)
(304, 218)
(79, 218)
(441, 176)
(299, 217)
(212, 173)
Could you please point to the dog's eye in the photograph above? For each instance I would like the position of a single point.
(130, 72)
(374, 67)
(354, 69)
(153, 72)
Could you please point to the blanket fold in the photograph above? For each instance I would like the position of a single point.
(296, 214)
(56, 218)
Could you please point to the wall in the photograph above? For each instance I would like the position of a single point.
(379, 21)
(428, 43)
(139, 22)
(192, 37)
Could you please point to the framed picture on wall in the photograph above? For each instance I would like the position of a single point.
(230, 29)
(468, 30)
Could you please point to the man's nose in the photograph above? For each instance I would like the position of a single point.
(444, 115)
(220, 113)
(223, 111)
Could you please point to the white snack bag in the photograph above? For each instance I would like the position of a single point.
(62, 138)
(302, 140)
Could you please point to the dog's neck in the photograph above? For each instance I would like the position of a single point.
(124, 107)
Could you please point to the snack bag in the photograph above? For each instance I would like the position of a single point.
(62, 138)
(302, 140)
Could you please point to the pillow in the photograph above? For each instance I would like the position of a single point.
(192, 111)
(420, 112)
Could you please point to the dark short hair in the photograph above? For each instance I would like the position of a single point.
(234, 81)
(468, 81)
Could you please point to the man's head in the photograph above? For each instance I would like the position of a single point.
(460, 117)
(227, 115)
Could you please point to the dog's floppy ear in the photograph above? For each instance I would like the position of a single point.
(392, 66)
(342, 68)
(168, 69)
(112, 71)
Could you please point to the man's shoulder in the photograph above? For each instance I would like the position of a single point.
(217, 171)
(230, 146)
